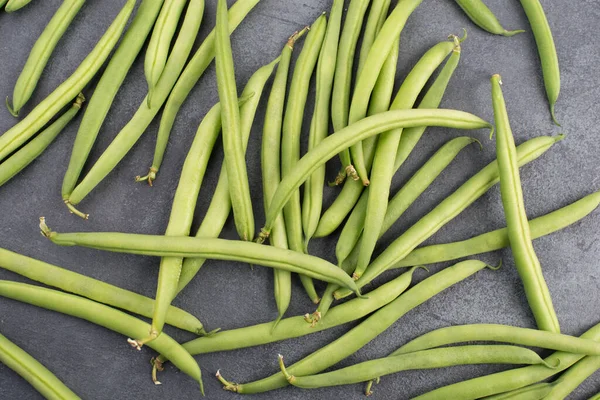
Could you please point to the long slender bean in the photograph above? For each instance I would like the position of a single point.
(366, 331)
(117, 69)
(319, 128)
(450, 207)
(28, 153)
(218, 249)
(102, 315)
(526, 261)
(137, 125)
(41, 52)
(68, 90)
(30, 369)
(15, 5)
(377, 15)
(536, 391)
(484, 18)
(573, 377)
(93, 289)
(424, 359)
(189, 77)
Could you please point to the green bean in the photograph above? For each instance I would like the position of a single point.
(271, 168)
(136, 126)
(512, 379)
(28, 153)
(366, 331)
(367, 79)
(235, 160)
(425, 359)
(573, 377)
(342, 83)
(160, 42)
(106, 90)
(546, 49)
(361, 130)
(319, 128)
(484, 18)
(344, 203)
(595, 397)
(220, 205)
(377, 16)
(14, 5)
(189, 77)
(30, 369)
(532, 392)
(526, 261)
(450, 207)
(68, 90)
(498, 239)
(382, 170)
(217, 249)
(405, 197)
(93, 289)
(3, 2)
(102, 315)
(41, 52)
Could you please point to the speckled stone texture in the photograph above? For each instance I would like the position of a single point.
(99, 364)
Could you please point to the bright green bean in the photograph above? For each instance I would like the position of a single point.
(573, 377)
(28, 153)
(361, 130)
(93, 289)
(509, 380)
(218, 249)
(449, 208)
(366, 331)
(160, 42)
(189, 77)
(15, 5)
(68, 90)
(547, 50)
(117, 69)
(319, 128)
(44, 381)
(137, 125)
(424, 359)
(102, 315)
(484, 18)
(41, 52)
(377, 16)
(526, 261)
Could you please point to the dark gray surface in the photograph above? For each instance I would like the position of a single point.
(99, 364)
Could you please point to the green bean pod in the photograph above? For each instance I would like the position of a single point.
(546, 49)
(68, 90)
(117, 69)
(160, 42)
(32, 150)
(536, 391)
(377, 15)
(30, 369)
(137, 125)
(366, 331)
(41, 52)
(512, 379)
(526, 261)
(217, 249)
(573, 377)
(484, 18)
(3, 2)
(319, 128)
(361, 130)
(15, 5)
(189, 77)
(220, 205)
(102, 315)
(424, 359)
(595, 397)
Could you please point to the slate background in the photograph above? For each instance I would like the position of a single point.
(98, 364)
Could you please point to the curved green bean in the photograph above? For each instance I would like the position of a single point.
(536, 391)
(41, 52)
(93, 289)
(102, 315)
(484, 18)
(117, 69)
(547, 50)
(189, 77)
(28, 153)
(30, 369)
(450, 207)
(424, 359)
(15, 5)
(68, 90)
(526, 261)
(573, 377)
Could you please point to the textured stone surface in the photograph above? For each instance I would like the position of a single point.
(98, 364)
